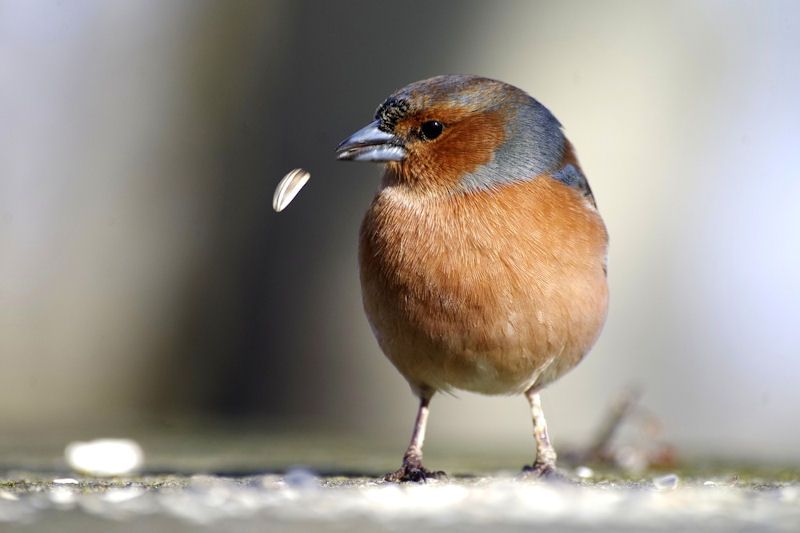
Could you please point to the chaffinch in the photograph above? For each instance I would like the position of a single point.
(483, 255)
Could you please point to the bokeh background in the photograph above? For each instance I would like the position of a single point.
(145, 279)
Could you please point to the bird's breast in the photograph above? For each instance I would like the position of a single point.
(490, 291)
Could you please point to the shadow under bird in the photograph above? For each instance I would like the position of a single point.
(482, 256)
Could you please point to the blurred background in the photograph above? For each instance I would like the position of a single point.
(146, 281)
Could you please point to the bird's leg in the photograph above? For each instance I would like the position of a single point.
(545, 463)
(412, 469)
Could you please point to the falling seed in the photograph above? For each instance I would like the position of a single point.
(288, 188)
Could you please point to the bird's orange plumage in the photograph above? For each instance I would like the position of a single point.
(491, 291)
(439, 168)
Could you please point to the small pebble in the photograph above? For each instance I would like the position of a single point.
(584, 472)
(62, 496)
(668, 482)
(301, 478)
(122, 495)
(790, 494)
(631, 460)
(288, 188)
(105, 457)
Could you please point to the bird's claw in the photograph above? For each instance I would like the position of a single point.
(542, 470)
(414, 473)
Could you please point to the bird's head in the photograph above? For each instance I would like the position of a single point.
(459, 133)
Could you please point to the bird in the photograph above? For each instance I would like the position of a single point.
(482, 256)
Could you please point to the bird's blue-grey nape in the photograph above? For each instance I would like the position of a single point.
(534, 145)
(572, 176)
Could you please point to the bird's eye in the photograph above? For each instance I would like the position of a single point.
(431, 129)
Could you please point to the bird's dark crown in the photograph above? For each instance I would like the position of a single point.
(390, 111)
(471, 93)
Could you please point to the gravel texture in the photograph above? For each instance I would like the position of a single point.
(299, 500)
(232, 479)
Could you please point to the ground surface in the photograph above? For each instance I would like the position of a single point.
(246, 484)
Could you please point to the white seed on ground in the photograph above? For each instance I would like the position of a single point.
(105, 457)
(288, 188)
(584, 472)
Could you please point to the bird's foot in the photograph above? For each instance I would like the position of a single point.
(413, 472)
(543, 470)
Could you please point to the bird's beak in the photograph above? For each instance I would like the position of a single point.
(371, 144)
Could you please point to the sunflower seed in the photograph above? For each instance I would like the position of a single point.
(288, 188)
